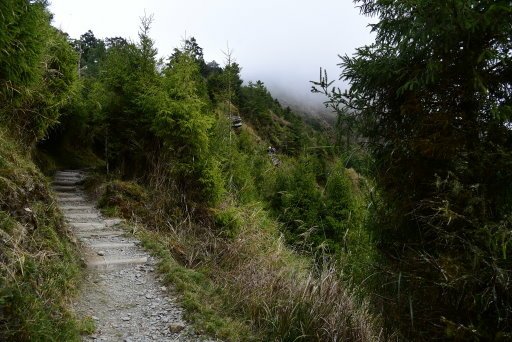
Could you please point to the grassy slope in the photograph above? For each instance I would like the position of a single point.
(39, 267)
(237, 277)
(239, 281)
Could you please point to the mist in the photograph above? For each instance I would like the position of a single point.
(282, 43)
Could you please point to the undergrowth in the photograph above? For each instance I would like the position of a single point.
(39, 266)
(237, 277)
(200, 296)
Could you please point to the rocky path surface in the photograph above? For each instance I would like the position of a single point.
(122, 293)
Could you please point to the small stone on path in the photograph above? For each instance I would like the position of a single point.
(176, 327)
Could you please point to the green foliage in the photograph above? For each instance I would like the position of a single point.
(341, 202)
(257, 104)
(314, 216)
(224, 85)
(297, 201)
(237, 156)
(279, 126)
(39, 266)
(323, 210)
(41, 109)
(124, 196)
(229, 221)
(433, 96)
(133, 115)
(132, 96)
(92, 52)
(23, 32)
(212, 181)
(184, 124)
(37, 72)
(191, 48)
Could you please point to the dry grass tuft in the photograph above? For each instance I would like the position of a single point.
(281, 293)
(239, 271)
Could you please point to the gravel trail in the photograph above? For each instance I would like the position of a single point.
(122, 293)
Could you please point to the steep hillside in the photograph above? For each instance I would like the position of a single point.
(239, 278)
(261, 243)
(39, 265)
(394, 224)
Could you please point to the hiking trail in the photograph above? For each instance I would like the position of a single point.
(122, 292)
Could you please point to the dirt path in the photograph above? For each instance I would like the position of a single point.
(122, 293)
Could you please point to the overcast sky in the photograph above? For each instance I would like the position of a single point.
(281, 42)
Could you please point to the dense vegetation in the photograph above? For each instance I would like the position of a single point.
(175, 163)
(433, 96)
(39, 266)
(402, 213)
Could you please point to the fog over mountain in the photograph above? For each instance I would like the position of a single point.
(283, 43)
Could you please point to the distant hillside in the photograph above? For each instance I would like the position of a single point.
(314, 114)
(307, 107)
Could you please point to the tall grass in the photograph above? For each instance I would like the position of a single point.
(249, 281)
(238, 277)
(283, 294)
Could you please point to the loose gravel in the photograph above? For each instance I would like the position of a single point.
(122, 293)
